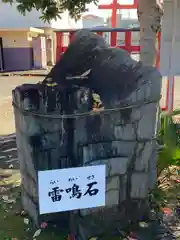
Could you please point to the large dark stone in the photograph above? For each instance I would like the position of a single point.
(113, 71)
(79, 56)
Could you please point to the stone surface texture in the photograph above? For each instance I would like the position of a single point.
(56, 128)
(124, 139)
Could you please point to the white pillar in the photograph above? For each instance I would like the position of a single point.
(170, 47)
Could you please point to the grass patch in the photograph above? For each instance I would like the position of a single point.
(11, 220)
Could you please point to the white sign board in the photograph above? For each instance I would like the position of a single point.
(170, 39)
(71, 188)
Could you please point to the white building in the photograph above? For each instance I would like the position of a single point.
(11, 18)
(90, 20)
(16, 35)
(16, 31)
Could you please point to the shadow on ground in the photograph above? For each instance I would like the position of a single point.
(9, 165)
(14, 222)
(8, 152)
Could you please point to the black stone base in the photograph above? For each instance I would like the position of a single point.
(109, 221)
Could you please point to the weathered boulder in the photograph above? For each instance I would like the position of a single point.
(123, 136)
(78, 58)
(112, 70)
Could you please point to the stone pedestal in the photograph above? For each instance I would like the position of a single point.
(124, 139)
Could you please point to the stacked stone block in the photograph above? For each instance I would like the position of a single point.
(56, 129)
(124, 139)
(41, 140)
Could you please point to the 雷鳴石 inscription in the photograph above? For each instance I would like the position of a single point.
(71, 188)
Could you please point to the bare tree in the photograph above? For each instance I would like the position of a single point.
(149, 13)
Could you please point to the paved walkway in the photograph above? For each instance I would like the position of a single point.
(40, 73)
(7, 84)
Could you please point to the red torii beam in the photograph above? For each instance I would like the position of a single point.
(114, 6)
